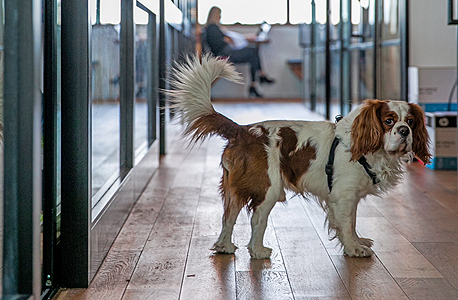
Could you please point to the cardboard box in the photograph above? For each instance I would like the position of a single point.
(431, 87)
(442, 131)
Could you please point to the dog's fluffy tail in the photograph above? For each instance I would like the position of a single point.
(190, 95)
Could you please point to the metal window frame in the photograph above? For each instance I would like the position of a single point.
(162, 66)
(127, 85)
(22, 149)
(76, 144)
(50, 150)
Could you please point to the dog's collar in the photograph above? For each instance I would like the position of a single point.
(330, 165)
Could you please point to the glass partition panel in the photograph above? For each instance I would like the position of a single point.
(307, 84)
(355, 77)
(320, 56)
(390, 87)
(363, 68)
(391, 23)
(335, 83)
(321, 82)
(105, 138)
(142, 81)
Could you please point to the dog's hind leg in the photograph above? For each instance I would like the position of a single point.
(232, 209)
(224, 243)
(259, 224)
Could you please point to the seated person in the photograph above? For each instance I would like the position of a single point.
(237, 49)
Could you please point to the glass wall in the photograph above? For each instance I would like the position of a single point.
(143, 79)
(82, 142)
(364, 48)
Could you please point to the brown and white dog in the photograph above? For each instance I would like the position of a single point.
(261, 160)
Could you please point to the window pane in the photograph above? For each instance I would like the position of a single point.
(142, 81)
(105, 101)
(390, 24)
(245, 11)
(391, 73)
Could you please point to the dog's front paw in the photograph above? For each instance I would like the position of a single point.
(259, 252)
(358, 250)
(227, 248)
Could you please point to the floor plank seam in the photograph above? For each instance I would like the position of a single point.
(391, 275)
(192, 229)
(283, 261)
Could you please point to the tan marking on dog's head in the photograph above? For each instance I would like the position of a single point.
(367, 130)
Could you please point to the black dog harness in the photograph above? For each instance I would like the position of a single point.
(330, 165)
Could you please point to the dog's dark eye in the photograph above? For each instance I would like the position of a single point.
(410, 122)
(389, 122)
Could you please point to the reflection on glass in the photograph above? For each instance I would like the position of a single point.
(362, 75)
(335, 83)
(355, 91)
(321, 82)
(307, 91)
(105, 97)
(391, 73)
(390, 24)
(142, 81)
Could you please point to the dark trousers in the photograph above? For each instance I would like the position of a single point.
(245, 55)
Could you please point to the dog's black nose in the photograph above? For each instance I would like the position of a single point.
(403, 131)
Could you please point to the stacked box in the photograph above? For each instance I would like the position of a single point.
(432, 87)
(442, 131)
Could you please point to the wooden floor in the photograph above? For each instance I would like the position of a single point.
(163, 251)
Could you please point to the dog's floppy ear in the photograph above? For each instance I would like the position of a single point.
(367, 130)
(420, 134)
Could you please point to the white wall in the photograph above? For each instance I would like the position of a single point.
(283, 45)
(432, 41)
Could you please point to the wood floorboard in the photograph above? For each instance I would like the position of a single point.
(310, 270)
(428, 289)
(163, 250)
(443, 256)
(367, 278)
(262, 284)
(208, 275)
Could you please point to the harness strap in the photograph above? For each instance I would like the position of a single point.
(362, 160)
(330, 165)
